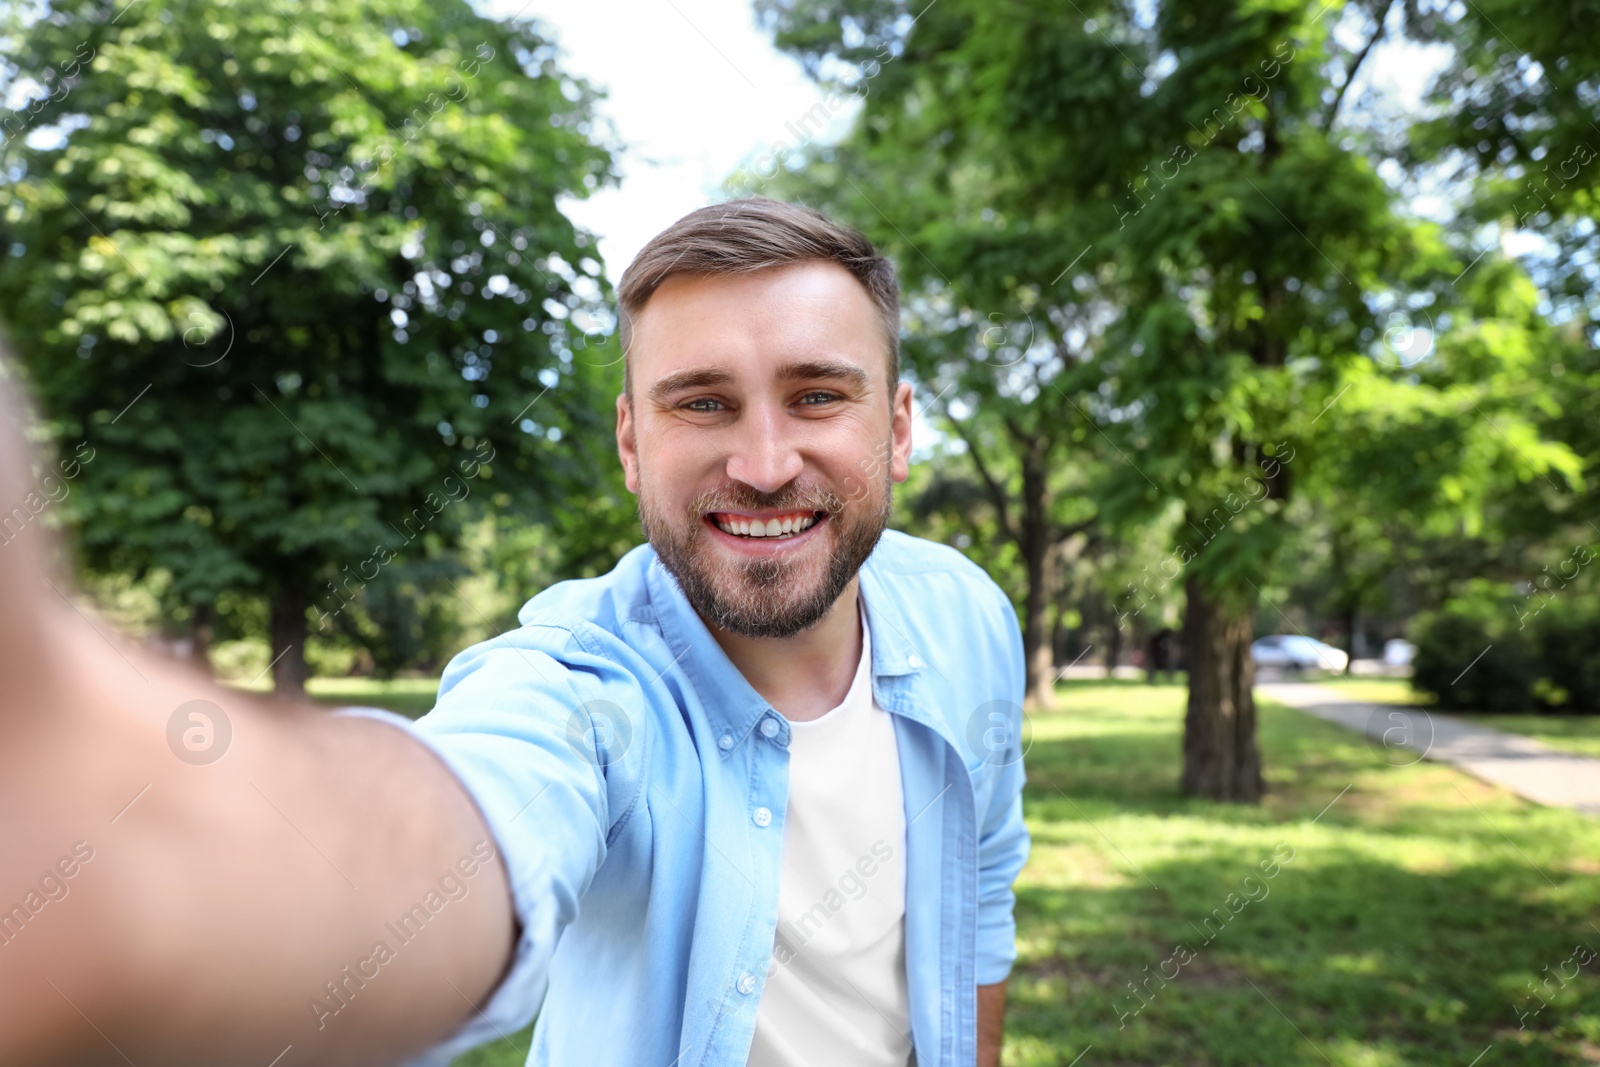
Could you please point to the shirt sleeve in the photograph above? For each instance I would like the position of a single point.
(1003, 842)
(510, 724)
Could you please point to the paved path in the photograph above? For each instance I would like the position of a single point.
(1529, 769)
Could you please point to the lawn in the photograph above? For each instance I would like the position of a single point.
(1417, 906)
(1407, 915)
(1571, 733)
(1377, 690)
(1574, 733)
(411, 697)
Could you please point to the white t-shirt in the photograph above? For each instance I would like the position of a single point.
(837, 992)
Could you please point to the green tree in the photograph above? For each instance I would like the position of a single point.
(1225, 247)
(1000, 358)
(1517, 122)
(296, 273)
(992, 383)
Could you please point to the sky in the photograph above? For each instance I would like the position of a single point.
(694, 90)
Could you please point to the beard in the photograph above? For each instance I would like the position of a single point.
(778, 596)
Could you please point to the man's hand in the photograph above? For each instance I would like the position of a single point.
(157, 908)
(991, 1023)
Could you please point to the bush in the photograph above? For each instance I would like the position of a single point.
(1567, 635)
(1470, 656)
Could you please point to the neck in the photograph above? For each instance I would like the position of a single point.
(807, 675)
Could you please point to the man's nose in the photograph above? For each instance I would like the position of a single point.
(764, 455)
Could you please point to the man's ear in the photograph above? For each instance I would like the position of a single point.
(627, 445)
(900, 433)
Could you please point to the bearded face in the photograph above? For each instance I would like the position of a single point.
(766, 564)
(762, 437)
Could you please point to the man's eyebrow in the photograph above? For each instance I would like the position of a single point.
(798, 370)
(696, 378)
(811, 369)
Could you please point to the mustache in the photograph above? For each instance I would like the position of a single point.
(792, 497)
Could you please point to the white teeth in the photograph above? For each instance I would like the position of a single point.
(787, 527)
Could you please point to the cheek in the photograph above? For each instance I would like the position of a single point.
(859, 449)
(673, 468)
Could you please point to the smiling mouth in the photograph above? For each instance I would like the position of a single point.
(776, 528)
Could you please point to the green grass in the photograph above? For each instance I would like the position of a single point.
(1417, 906)
(1403, 931)
(1377, 690)
(410, 697)
(508, 1051)
(1570, 733)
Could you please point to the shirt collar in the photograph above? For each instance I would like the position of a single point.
(893, 654)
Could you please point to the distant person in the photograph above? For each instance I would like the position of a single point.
(754, 797)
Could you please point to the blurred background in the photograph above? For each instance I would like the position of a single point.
(1252, 341)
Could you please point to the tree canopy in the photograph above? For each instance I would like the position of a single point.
(1246, 319)
(298, 274)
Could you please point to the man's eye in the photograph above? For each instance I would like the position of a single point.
(703, 405)
(818, 398)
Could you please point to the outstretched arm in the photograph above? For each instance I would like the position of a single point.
(159, 909)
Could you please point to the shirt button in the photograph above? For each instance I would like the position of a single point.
(769, 726)
(762, 816)
(725, 742)
(914, 660)
(747, 981)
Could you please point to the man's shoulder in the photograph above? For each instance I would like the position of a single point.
(901, 557)
(940, 594)
(580, 623)
(608, 601)
(945, 608)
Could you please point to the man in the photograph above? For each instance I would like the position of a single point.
(752, 797)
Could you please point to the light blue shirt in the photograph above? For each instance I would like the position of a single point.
(635, 785)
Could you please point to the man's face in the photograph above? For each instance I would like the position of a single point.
(761, 403)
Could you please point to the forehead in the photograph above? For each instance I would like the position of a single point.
(750, 324)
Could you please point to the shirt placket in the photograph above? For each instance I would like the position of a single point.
(761, 760)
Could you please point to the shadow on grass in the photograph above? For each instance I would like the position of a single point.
(1363, 914)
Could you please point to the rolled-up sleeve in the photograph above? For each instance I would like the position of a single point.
(1003, 842)
(505, 725)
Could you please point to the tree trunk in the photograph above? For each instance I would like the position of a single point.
(1113, 645)
(1060, 638)
(287, 628)
(1035, 627)
(201, 628)
(1220, 757)
(1338, 556)
(1349, 638)
(1036, 545)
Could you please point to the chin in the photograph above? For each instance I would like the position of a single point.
(763, 588)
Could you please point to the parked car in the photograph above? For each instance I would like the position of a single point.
(1297, 652)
